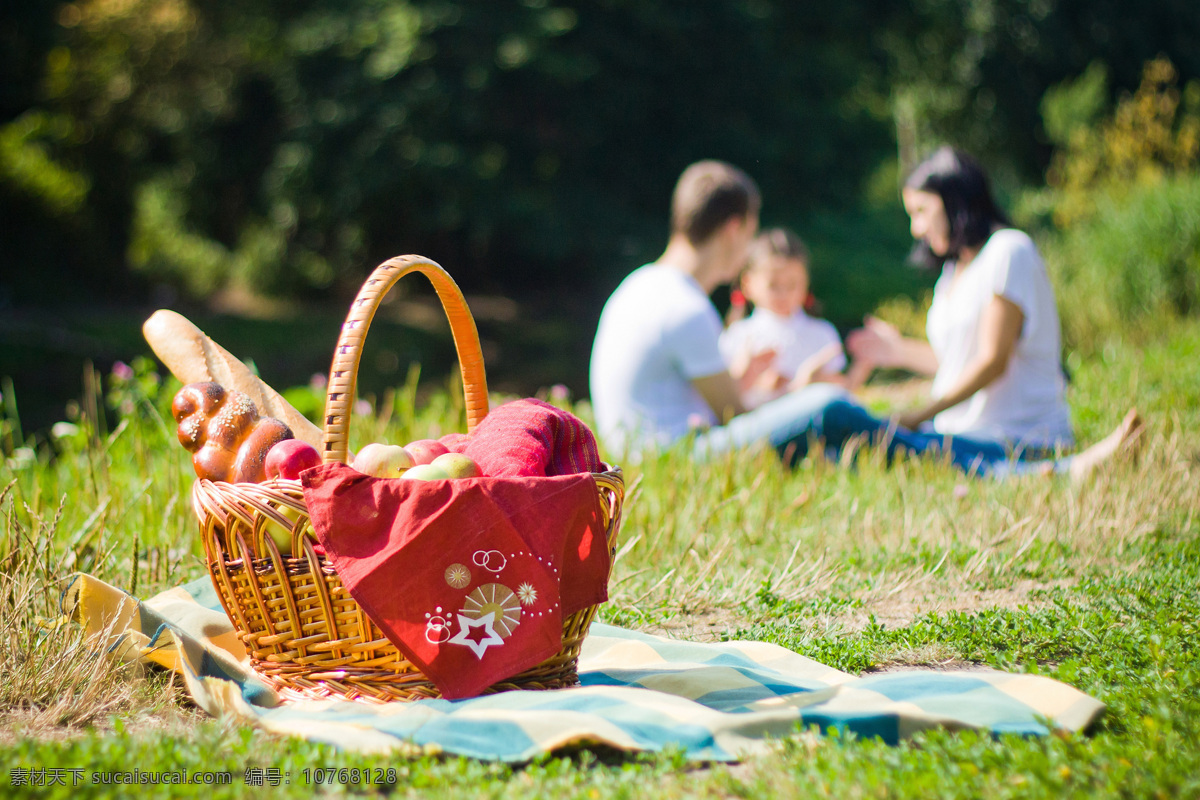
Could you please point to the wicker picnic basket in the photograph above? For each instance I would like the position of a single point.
(305, 635)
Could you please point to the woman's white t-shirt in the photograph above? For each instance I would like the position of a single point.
(1025, 405)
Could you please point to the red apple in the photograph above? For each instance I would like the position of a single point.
(457, 465)
(382, 460)
(287, 459)
(424, 451)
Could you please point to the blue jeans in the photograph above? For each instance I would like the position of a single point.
(823, 412)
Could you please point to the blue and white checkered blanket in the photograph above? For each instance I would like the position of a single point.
(716, 702)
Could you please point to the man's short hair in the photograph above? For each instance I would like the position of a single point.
(709, 194)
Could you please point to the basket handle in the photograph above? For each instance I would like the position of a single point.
(343, 373)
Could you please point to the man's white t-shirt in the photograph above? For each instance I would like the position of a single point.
(794, 338)
(657, 333)
(1026, 404)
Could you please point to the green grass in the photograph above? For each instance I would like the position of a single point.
(1097, 585)
(537, 343)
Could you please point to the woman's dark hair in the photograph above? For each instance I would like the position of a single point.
(962, 184)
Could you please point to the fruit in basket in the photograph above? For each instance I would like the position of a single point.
(425, 472)
(280, 535)
(382, 460)
(457, 465)
(424, 451)
(287, 459)
(222, 429)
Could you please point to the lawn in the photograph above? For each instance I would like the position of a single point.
(860, 567)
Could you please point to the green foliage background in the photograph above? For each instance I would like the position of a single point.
(283, 148)
(263, 156)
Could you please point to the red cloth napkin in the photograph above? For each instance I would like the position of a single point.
(529, 437)
(469, 578)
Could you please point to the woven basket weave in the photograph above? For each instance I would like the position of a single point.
(305, 635)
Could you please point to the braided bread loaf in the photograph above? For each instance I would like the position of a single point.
(192, 357)
(224, 432)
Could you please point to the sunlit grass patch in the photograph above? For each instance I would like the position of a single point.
(859, 566)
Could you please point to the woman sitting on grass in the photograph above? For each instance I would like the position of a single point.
(994, 347)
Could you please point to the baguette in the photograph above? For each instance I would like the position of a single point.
(192, 357)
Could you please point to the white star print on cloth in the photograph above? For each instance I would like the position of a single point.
(465, 624)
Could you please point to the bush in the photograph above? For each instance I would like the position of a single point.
(1134, 263)
(1151, 134)
(1124, 202)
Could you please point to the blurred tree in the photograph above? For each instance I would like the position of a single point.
(1124, 195)
(27, 32)
(1153, 134)
(973, 72)
(285, 150)
(1075, 104)
(285, 147)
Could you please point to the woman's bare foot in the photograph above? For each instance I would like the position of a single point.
(1125, 438)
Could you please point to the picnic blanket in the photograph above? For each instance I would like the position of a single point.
(712, 702)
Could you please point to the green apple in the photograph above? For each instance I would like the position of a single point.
(382, 460)
(457, 465)
(280, 535)
(425, 472)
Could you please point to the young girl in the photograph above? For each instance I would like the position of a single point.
(806, 350)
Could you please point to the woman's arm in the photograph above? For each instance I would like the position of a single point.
(879, 343)
(999, 330)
